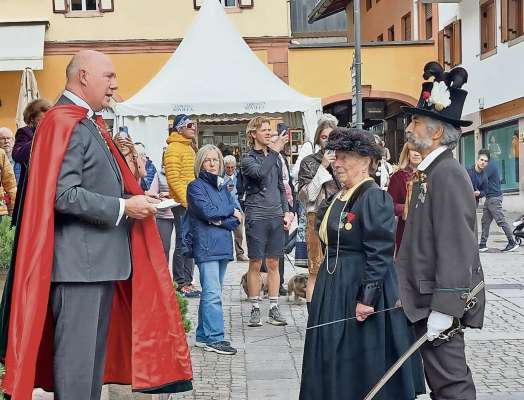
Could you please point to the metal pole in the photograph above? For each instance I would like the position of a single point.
(358, 64)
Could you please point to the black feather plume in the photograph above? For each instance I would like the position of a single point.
(456, 78)
(433, 68)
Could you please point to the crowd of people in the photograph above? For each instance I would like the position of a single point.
(379, 238)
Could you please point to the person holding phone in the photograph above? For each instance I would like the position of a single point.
(267, 214)
(316, 182)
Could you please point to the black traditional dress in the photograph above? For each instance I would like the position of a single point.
(345, 360)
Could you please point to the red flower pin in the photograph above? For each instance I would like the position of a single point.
(426, 95)
(350, 217)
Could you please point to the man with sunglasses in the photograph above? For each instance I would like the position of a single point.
(179, 161)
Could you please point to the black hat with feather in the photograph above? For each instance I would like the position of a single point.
(443, 98)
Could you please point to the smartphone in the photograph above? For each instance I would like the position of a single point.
(281, 128)
(123, 132)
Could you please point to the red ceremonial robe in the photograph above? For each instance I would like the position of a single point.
(147, 345)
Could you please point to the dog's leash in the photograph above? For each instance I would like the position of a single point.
(325, 324)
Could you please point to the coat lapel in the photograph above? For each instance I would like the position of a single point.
(91, 125)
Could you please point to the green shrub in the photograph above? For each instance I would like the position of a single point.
(7, 236)
(182, 304)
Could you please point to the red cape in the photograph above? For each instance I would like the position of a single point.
(147, 346)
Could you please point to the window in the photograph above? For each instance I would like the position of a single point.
(406, 27)
(229, 3)
(428, 19)
(369, 4)
(334, 25)
(450, 45)
(82, 6)
(391, 33)
(467, 149)
(488, 27)
(512, 15)
(380, 38)
(503, 145)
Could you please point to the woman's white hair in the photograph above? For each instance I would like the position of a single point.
(329, 119)
(451, 134)
(201, 155)
(230, 160)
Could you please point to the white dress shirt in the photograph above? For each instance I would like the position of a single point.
(426, 162)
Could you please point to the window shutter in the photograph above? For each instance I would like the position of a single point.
(106, 5)
(441, 50)
(59, 6)
(504, 19)
(457, 43)
(197, 4)
(246, 3)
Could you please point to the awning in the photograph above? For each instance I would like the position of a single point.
(325, 8)
(22, 45)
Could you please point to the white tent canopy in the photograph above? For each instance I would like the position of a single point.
(213, 72)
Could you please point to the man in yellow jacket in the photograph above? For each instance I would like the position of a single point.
(7, 185)
(179, 161)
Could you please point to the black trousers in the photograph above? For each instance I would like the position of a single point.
(445, 367)
(183, 267)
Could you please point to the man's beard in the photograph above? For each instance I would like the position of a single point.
(419, 144)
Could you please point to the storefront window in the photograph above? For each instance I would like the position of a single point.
(503, 144)
(467, 150)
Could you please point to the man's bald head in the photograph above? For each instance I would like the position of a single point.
(7, 139)
(91, 75)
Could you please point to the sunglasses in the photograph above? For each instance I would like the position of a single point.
(190, 125)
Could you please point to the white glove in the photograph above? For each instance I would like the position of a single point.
(438, 323)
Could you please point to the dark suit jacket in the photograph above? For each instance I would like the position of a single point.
(438, 261)
(89, 247)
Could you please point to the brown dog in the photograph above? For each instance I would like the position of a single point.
(263, 284)
(297, 285)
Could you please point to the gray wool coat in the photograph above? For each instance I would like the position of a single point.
(438, 261)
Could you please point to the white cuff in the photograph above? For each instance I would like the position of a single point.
(121, 211)
(438, 323)
(324, 174)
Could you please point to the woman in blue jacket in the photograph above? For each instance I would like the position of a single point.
(212, 217)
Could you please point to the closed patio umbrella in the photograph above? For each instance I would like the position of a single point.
(28, 93)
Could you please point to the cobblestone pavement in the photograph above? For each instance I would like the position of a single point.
(270, 369)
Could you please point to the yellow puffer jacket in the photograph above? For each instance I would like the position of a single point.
(179, 161)
(7, 185)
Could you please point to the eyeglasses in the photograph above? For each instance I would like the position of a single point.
(211, 160)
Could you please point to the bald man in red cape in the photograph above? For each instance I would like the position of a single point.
(89, 299)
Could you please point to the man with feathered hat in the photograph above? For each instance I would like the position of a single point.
(438, 262)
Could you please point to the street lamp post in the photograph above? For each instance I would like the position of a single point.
(356, 70)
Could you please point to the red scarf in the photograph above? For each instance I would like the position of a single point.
(147, 346)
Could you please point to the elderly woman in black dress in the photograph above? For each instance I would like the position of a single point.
(346, 359)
